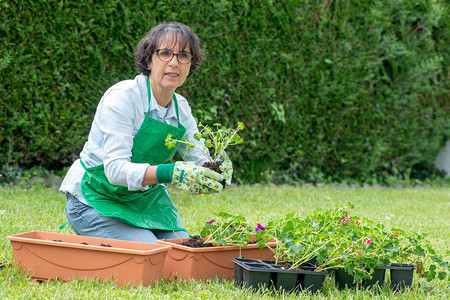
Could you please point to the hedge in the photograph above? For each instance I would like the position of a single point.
(328, 90)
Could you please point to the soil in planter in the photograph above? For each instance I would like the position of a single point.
(197, 242)
(216, 168)
(83, 243)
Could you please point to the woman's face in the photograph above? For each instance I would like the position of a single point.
(171, 74)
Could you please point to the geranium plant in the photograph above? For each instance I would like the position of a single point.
(227, 230)
(413, 248)
(335, 239)
(330, 239)
(354, 244)
(217, 139)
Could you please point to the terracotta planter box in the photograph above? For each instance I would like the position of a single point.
(46, 256)
(209, 262)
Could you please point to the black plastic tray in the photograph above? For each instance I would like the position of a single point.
(255, 273)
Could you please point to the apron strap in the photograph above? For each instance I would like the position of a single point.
(63, 225)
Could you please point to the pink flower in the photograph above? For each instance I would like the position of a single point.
(395, 233)
(357, 222)
(342, 221)
(369, 241)
(347, 218)
(210, 222)
(260, 227)
(431, 289)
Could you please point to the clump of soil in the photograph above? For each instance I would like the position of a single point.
(216, 168)
(197, 242)
(101, 244)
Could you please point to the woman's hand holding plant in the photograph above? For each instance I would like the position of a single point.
(226, 167)
(190, 177)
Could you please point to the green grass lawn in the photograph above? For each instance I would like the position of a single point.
(408, 208)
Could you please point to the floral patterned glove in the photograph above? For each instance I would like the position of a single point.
(192, 178)
(226, 167)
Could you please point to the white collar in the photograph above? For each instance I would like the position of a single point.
(170, 110)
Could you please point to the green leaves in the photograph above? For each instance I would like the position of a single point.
(339, 239)
(227, 229)
(217, 140)
(169, 142)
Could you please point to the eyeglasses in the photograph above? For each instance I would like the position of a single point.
(165, 55)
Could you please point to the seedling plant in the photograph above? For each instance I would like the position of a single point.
(216, 138)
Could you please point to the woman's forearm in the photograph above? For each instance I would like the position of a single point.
(150, 176)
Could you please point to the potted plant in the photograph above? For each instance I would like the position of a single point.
(351, 247)
(409, 251)
(355, 247)
(223, 238)
(330, 240)
(359, 250)
(299, 242)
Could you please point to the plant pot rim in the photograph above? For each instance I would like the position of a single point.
(398, 266)
(143, 249)
(176, 244)
(269, 265)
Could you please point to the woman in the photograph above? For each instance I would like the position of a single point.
(116, 189)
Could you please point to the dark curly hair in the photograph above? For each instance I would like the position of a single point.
(153, 39)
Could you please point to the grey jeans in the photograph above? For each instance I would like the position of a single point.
(85, 220)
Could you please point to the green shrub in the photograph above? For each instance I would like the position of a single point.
(328, 90)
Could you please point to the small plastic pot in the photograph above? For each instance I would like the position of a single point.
(343, 279)
(378, 277)
(401, 275)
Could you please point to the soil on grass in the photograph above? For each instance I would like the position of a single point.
(197, 242)
(216, 168)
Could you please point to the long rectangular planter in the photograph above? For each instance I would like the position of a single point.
(209, 262)
(253, 273)
(47, 255)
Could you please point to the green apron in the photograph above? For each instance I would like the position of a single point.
(153, 208)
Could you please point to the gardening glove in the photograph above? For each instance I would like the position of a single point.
(226, 167)
(190, 177)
